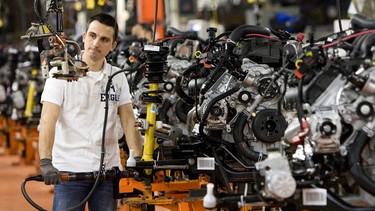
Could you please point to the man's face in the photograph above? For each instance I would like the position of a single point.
(98, 40)
(138, 31)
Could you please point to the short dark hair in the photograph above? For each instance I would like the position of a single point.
(106, 19)
(146, 26)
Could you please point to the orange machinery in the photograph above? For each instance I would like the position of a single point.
(146, 14)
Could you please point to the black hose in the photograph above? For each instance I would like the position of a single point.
(241, 31)
(222, 171)
(217, 140)
(181, 110)
(36, 11)
(27, 197)
(357, 43)
(181, 94)
(300, 113)
(155, 20)
(238, 137)
(171, 31)
(366, 46)
(162, 111)
(361, 178)
(360, 21)
(214, 75)
(189, 70)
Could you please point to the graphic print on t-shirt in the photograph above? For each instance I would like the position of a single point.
(114, 94)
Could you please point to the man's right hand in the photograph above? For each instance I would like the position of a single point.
(50, 174)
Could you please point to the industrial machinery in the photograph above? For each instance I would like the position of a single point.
(58, 53)
(271, 121)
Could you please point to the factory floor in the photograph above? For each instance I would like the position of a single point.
(12, 173)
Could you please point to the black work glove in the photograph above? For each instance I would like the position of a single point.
(51, 175)
(137, 158)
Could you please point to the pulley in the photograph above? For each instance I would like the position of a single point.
(269, 125)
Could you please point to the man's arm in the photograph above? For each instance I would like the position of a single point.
(133, 136)
(48, 119)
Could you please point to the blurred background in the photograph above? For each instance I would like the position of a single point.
(292, 15)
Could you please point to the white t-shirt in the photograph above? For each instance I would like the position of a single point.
(79, 129)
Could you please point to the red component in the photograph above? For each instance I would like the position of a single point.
(300, 137)
(298, 74)
(300, 37)
(132, 59)
(206, 65)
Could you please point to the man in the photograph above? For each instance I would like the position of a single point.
(72, 119)
(142, 31)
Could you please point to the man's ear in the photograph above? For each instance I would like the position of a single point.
(114, 45)
(83, 36)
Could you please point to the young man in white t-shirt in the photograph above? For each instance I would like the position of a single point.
(71, 124)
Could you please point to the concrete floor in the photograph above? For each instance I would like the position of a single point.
(12, 174)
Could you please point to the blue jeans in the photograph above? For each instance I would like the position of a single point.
(70, 193)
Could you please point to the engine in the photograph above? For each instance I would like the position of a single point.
(292, 120)
(267, 118)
